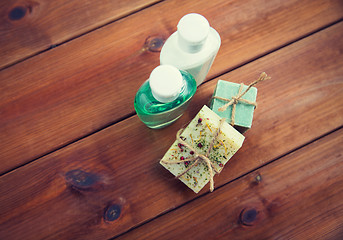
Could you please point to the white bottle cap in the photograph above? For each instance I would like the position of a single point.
(165, 83)
(192, 32)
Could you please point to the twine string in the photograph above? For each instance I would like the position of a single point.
(197, 156)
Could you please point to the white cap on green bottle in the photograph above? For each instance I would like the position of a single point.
(192, 30)
(165, 83)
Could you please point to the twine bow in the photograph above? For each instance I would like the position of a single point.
(198, 157)
(234, 100)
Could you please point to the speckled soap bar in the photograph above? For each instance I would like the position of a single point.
(244, 112)
(199, 134)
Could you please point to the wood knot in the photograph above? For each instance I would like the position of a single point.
(248, 216)
(154, 44)
(112, 212)
(256, 181)
(81, 180)
(258, 178)
(17, 13)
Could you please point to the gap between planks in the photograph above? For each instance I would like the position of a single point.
(214, 77)
(276, 49)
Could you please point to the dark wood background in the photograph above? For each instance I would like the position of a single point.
(76, 162)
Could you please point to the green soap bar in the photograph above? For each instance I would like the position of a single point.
(244, 112)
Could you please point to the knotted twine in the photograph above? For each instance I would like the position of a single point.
(238, 98)
(197, 156)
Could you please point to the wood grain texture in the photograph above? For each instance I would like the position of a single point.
(114, 172)
(86, 84)
(297, 197)
(28, 27)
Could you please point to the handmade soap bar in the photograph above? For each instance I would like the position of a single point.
(243, 113)
(199, 134)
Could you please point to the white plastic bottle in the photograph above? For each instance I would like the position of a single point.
(192, 47)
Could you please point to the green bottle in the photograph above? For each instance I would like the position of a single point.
(164, 97)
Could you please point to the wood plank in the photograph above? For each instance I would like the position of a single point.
(65, 194)
(82, 86)
(29, 27)
(297, 197)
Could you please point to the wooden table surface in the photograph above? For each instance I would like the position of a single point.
(77, 163)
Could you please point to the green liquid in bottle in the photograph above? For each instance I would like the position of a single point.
(156, 114)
